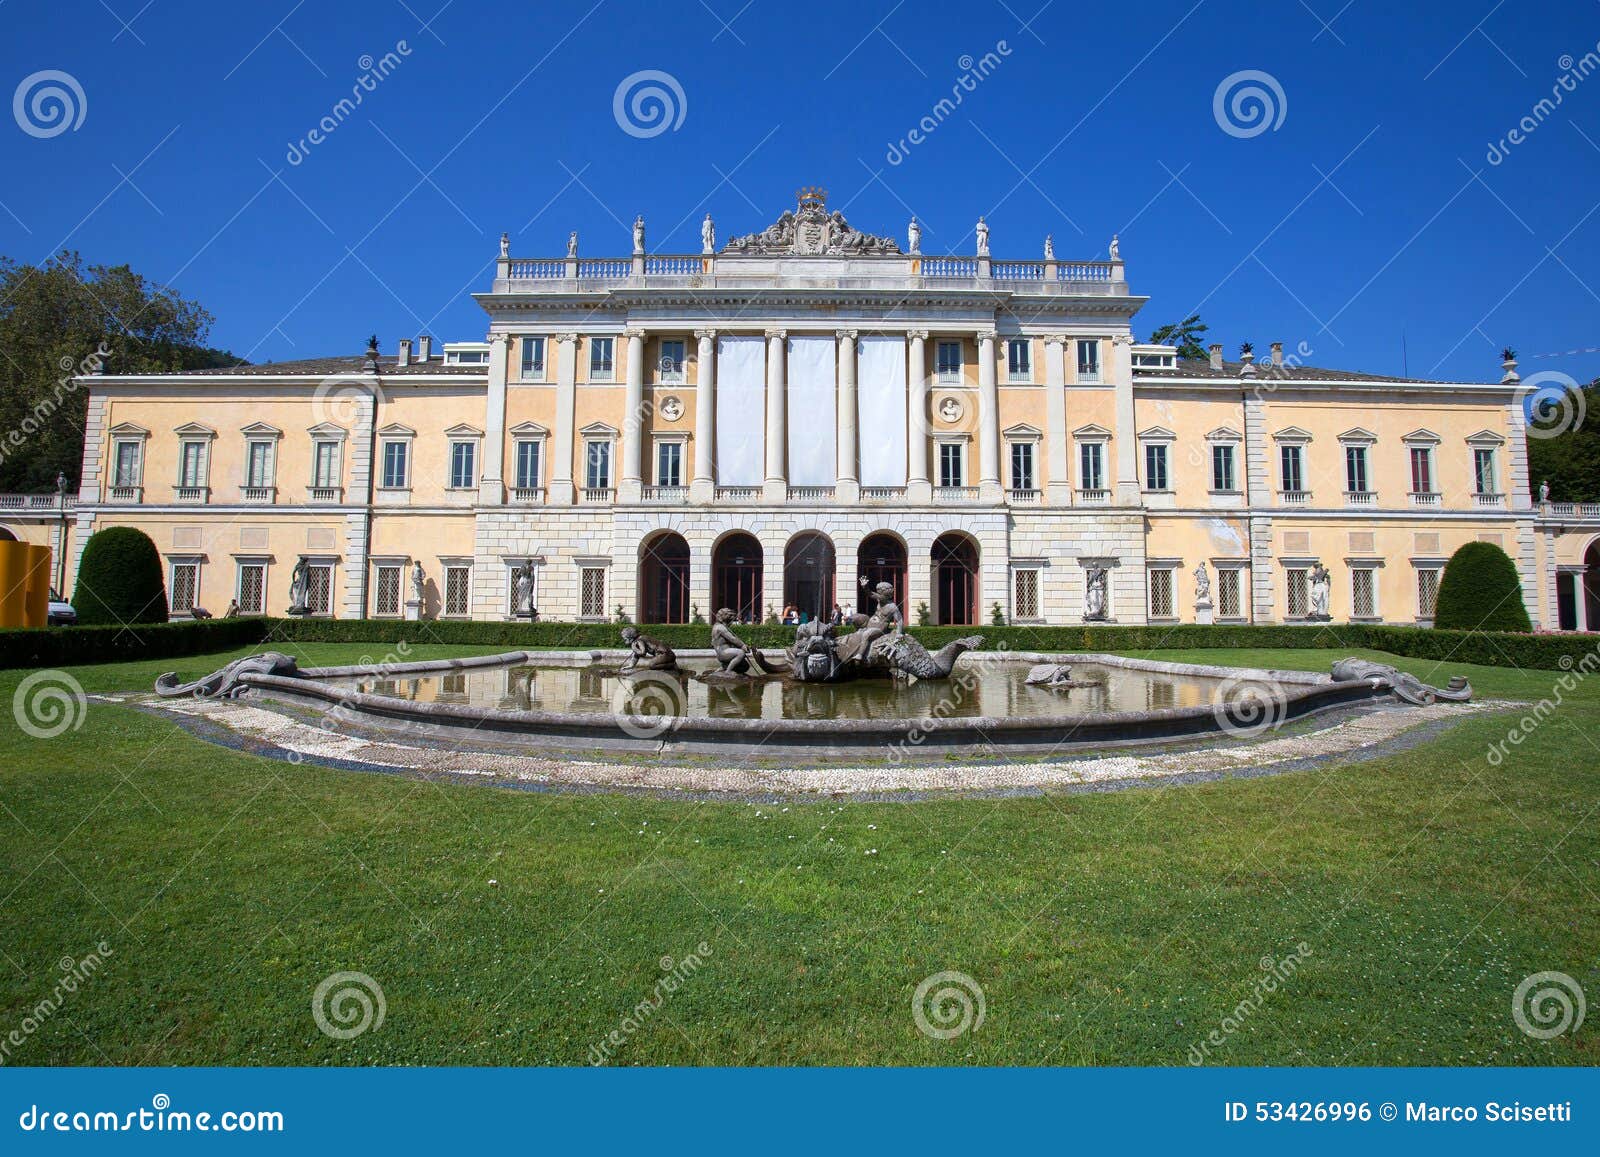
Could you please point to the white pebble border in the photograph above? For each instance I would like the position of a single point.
(307, 742)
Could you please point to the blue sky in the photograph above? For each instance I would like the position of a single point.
(1369, 212)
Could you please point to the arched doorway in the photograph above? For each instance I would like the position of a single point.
(881, 558)
(736, 574)
(955, 580)
(808, 565)
(664, 579)
(6, 535)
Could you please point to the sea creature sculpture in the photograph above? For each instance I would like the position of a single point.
(225, 684)
(1406, 687)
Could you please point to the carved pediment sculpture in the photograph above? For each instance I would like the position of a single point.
(811, 231)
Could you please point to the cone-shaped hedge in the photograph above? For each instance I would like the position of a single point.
(1480, 591)
(119, 579)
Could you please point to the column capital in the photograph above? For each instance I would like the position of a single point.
(1122, 339)
(917, 334)
(777, 333)
(499, 337)
(706, 334)
(846, 334)
(988, 335)
(1055, 339)
(567, 337)
(632, 332)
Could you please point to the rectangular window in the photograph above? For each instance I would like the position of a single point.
(1296, 585)
(1155, 466)
(463, 462)
(252, 594)
(1222, 467)
(1421, 470)
(395, 455)
(1228, 594)
(602, 363)
(592, 592)
(1291, 461)
(386, 600)
(185, 587)
(325, 465)
(457, 590)
(1019, 360)
(1025, 594)
(127, 469)
(533, 359)
(1364, 593)
(951, 466)
(1355, 469)
(597, 465)
(192, 464)
(258, 465)
(1089, 361)
(1161, 594)
(948, 362)
(319, 589)
(672, 359)
(669, 464)
(1091, 466)
(1427, 593)
(530, 475)
(1022, 466)
(1483, 471)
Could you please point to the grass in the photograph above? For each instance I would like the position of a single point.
(1115, 928)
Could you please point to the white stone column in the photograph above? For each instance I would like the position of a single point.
(776, 488)
(918, 488)
(491, 484)
(1127, 436)
(703, 487)
(988, 421)
(1058, 487)
(561, 449)
(847, 487)
(630, 488)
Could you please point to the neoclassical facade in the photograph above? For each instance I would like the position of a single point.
(768, 424)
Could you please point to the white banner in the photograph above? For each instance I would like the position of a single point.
(881, 388)
(741, 410)
(813, 421)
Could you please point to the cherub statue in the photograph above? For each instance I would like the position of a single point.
(645, 653)
(736, 656)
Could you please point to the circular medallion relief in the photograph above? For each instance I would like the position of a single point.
(950, 409)
(671, 407)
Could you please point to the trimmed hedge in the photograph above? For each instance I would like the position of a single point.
(120, 579)
(66, 646)
(1480, 591)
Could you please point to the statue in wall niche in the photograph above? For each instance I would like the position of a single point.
(738, 658)
(419, 582)
(1202, 584)
(1094, 600)
(300, 588)
(572, 244)
(638, 234)
(913, 237)
(1321, 588)
(1049, 247)
(982, 230)
(708, 235)
(522, 590)
(645, 653)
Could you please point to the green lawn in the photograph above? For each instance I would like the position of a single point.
(1115, 928)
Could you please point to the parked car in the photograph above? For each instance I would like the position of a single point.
(61, 612)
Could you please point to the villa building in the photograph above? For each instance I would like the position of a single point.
(768, 423)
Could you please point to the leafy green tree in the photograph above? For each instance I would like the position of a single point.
(1570, 461)
(1186, 335)
(119, 579)
(1480, 591)
(53, 319)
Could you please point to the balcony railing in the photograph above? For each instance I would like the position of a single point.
(549, 270)
(738, 493)
(882, 493)
(1084, 271)
(258, 495)
(1295, 497)
(672, 266)
(324, 495)
(36, 501)
(1361, 497)
(1025, 496)
(597, 495)
(125, 494)
(1489, 501)
(527, 495)
(195, 494)
(1572, 509)
(1017, 271)
(667, 495)
(1424, 498)
(604, 267)
(810, 494)
(1095, 497)
(955, 494)
(949, 267)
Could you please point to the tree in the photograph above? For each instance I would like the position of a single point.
(119, 579)
(1186, 335)
(1570, 461)
(55, 320)
(1480, 591)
